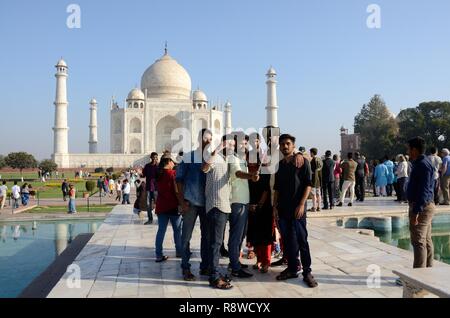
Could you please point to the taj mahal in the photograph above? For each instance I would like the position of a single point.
(150, 117)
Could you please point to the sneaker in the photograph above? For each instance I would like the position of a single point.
(188, 276)
(350, 204)
(245, 266)
(148, 222)
(340, 204)
(312, 210)
(318, 210)
(241, 274)
(161, 259)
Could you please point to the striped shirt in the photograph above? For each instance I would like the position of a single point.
(218, 186)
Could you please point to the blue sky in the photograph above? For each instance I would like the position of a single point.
(329, 62)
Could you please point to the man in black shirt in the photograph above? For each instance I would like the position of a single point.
(292, 188)
(360, 176)
(328, 181)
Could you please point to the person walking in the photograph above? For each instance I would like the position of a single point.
(445, 176)
(149, 173)
(402, 178)
(118, 190)
(316, 168)
(100, 185)
(291, 190)
(420, 194)
(65, 189)
(360, 177)
(436, 161)
(111, 186)
(381, 178)
(126, 189)
(3, 194)
(191, 182)
(348, 175)
(72, 199)
(25, 194)
(328, 185)
(167, 208)
(218, 206)
(15, 195)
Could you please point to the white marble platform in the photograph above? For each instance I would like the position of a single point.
(119, 262)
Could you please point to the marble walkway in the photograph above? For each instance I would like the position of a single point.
(119, 262)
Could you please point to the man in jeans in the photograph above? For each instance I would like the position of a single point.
(217, 198)
(240, 197)
(292, 187)
(421, 203)
(191, 182)
(150, 171)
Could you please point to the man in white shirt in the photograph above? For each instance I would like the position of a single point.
(3, 194)
(436, 161)
(126, 189)
(15, 194)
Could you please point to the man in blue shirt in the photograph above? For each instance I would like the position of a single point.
(445, 175)
(191, 181)
(421, 203)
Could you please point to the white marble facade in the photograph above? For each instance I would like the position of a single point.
(148, 121)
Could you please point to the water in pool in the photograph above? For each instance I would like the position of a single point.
(27, 248)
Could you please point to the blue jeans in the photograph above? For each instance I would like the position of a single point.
(295, 240)
(163, 221)
(216, 226)
(72, 208)
(126, 198)
(16, 203)
(189, 220)
(238, 222)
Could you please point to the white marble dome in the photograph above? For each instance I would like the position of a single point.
(61, 62)
(136, 93)
(200, 96)
(166, 79)
(93, 101)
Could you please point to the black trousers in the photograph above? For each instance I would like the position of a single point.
(328, 193)
(295, 240)
(389, 189)
(360, 188)
(401, 189)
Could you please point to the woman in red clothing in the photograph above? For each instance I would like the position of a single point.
(167, 208)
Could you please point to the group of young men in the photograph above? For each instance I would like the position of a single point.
(213, 186)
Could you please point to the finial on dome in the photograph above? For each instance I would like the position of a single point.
(165, 49)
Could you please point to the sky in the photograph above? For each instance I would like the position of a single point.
(329, 62)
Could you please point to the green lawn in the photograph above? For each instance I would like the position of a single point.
(31, 175)
(105, 208)
(46, 192)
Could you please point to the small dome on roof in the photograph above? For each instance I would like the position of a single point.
(61, 62)
(199, 96)
(93, 101)
(136, 93)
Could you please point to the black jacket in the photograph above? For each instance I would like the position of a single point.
(328, 170)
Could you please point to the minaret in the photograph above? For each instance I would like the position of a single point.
(272, 107)
(228, 126)
(93, 127)
(61, 142)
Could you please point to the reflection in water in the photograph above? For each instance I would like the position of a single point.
(3, 233)
(440, 236)
(16, 233)
(60, 237)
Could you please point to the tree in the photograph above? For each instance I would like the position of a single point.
(48, 165)
(2, 162)
(20, 160)
(378, 129)
(430, 120)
